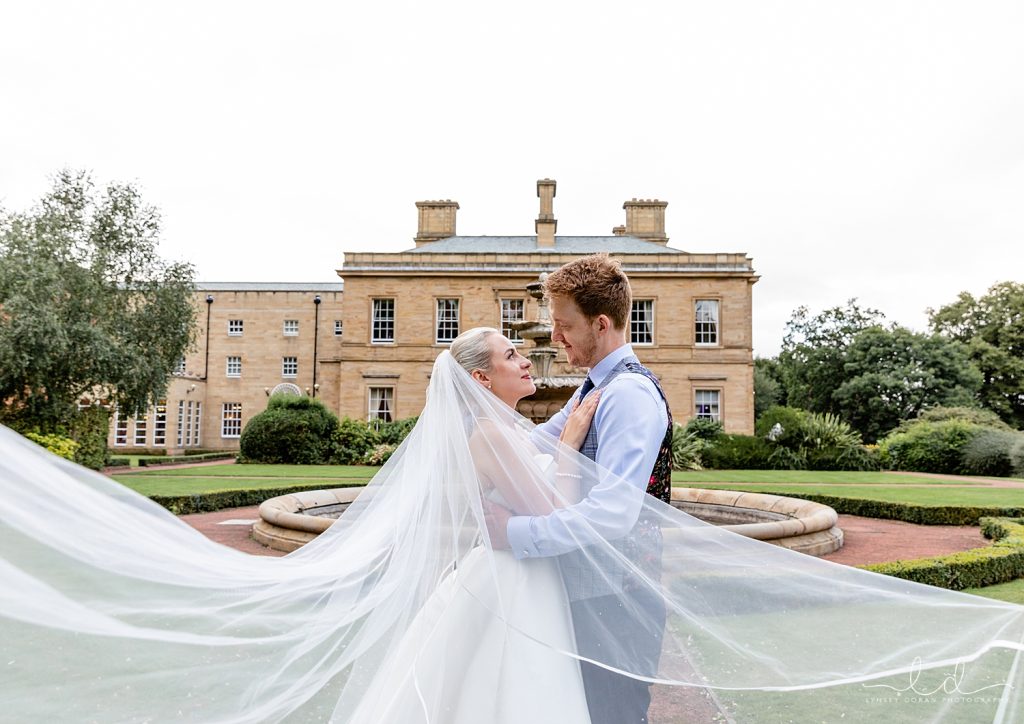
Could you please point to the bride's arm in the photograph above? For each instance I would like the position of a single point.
(510, 470)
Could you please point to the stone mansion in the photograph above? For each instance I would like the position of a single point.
(366, 345)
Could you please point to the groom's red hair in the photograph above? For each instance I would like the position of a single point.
(597, 285)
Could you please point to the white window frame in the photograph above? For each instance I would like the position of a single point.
(141, 426)
(375, 397)
(290, 328)
(707, 331)
(447, 311)
(121, 433)
(236, 327)
(707, 404)
(197, 422)
(293, 364)
(160, 423)
(508, 318)
(188, 424)
(181, 423)
(180, 369)
(338, 328)
(641, 313)
(233, 367)
(231, 420)
(382, 320)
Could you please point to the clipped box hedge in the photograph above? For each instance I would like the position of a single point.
(907, 512)
(219, 500)
(178, 459)
(998, 563)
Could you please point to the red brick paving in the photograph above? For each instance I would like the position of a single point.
(867, 540)
(236, 536)
(870, 540)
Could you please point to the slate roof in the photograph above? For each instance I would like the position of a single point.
(270, 286)
(528, 245)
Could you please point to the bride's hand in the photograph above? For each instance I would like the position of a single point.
(578, 422)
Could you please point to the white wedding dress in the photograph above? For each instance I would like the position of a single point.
(492, 644)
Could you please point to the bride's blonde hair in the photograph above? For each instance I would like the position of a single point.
(471, 350)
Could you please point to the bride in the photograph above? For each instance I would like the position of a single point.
(488, 645)
(114, 610)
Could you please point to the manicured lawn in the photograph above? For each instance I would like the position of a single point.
(890, 487)
(1012, 591)
(809, 476)
(937, 495)
(212, 478)
(264, 471)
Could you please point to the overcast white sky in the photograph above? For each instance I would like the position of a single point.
(853, 149)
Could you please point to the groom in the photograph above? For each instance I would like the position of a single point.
(618, 620)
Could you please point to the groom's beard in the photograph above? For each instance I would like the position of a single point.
(583, 353)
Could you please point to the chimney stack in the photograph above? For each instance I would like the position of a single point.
(645, 219)
(619, 230)
(437, 220)
(546, 225)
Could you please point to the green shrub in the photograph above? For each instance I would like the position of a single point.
(89, 429)
(292, 430)
(790, 422)
(737, 452)
(973, 415)
(393, 433)
(785, 458)
(801, 440)
(989, 453)
(353, 441)
(929, 447)
(845, 457)
(687, 449)
(65, 447)
(703, 427)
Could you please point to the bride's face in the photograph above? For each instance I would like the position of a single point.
(509, 377)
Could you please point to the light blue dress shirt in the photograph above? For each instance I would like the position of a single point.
(631, 420)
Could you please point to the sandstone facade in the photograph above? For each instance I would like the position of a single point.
(368, 352)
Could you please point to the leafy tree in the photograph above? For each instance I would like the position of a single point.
(87, 306)
(891, 375)
(768, 388)
(992, 327)
(813, 355)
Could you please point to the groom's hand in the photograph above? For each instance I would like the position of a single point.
(496, 519)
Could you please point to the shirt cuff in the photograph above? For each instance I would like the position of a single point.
(520, 538)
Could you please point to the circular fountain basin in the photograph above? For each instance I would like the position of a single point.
(288, 522)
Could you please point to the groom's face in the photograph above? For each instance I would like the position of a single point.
(574, 330)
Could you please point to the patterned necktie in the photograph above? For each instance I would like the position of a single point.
(588, 385)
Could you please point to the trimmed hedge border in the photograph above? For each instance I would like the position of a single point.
(178, 459)
(998, 563)
(908, 513)
(210, 502)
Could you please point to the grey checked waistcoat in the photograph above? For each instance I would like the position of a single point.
(590, 572)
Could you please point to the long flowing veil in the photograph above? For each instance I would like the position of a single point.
(112, 609)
